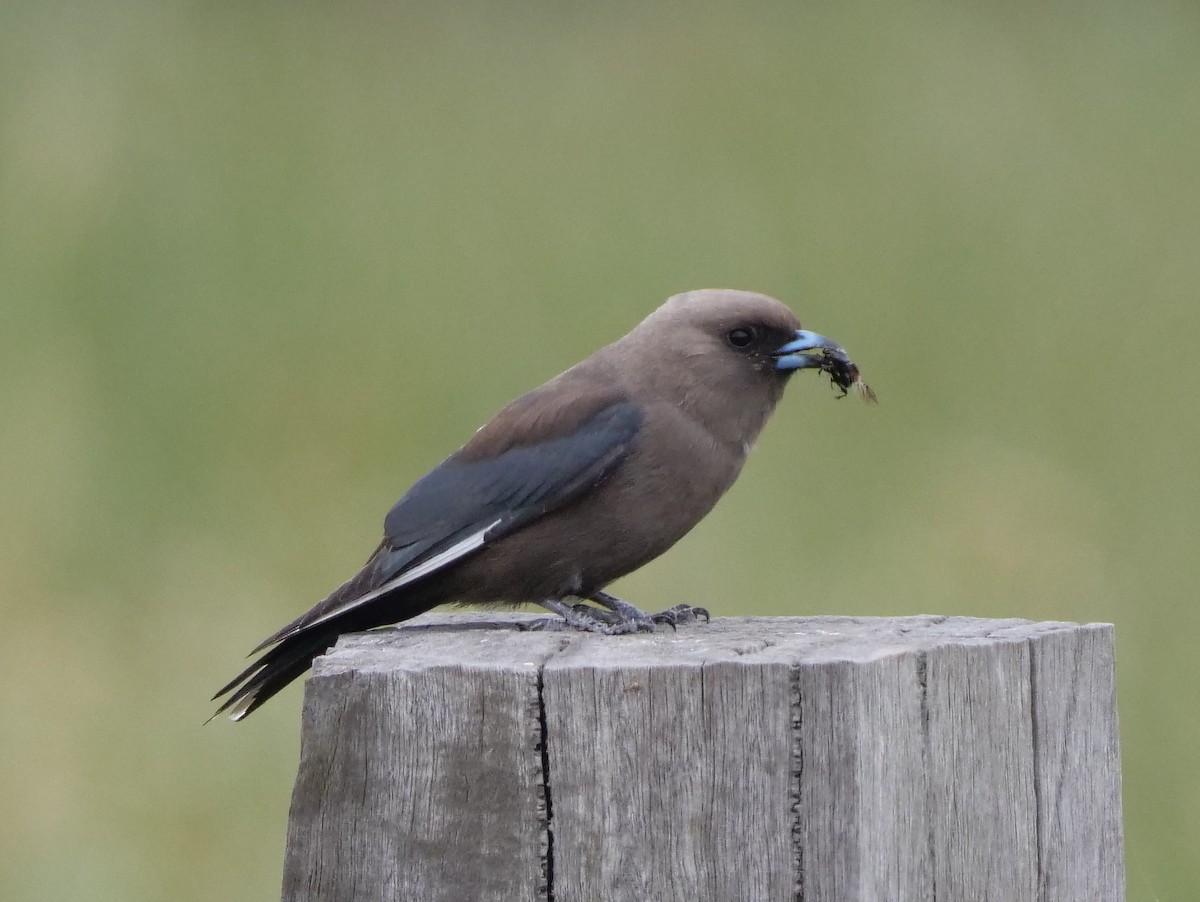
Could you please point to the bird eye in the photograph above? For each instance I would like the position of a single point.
(740, 338)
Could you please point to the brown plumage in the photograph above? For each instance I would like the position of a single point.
(574, 484)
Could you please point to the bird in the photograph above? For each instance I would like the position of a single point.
(574, 484)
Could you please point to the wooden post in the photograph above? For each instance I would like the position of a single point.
(814, 759)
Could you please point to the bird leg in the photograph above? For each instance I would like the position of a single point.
(681, 613)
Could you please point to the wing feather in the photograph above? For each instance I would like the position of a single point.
(466, 503)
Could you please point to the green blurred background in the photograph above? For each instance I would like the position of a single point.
(262, 265)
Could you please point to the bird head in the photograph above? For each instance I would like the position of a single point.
(726, 355)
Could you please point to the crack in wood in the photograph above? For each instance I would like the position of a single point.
(547, 812)
(797, 777)
(926, 754)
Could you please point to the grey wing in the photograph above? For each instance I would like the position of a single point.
(461, 506)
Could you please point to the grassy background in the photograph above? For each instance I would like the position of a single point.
(262, 266)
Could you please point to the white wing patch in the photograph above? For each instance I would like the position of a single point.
(459, 549)
(238, 711)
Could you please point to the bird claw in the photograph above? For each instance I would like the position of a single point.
(681, 613)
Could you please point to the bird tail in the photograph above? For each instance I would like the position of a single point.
(291, 650)
(291, 656)
(272, 671)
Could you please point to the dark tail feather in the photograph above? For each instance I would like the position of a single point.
(289, 659)
(272, 672)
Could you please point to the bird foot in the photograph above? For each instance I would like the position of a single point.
(616, 618)
(593, 620)
(681, 613)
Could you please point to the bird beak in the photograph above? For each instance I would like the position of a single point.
(794, 356)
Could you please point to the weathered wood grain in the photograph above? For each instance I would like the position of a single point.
(420, 775)
(979, 754)
(659, 772)
(920, 758)
(1077, 767)
(862, 819)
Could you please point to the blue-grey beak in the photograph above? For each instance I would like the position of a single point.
(794, 355)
